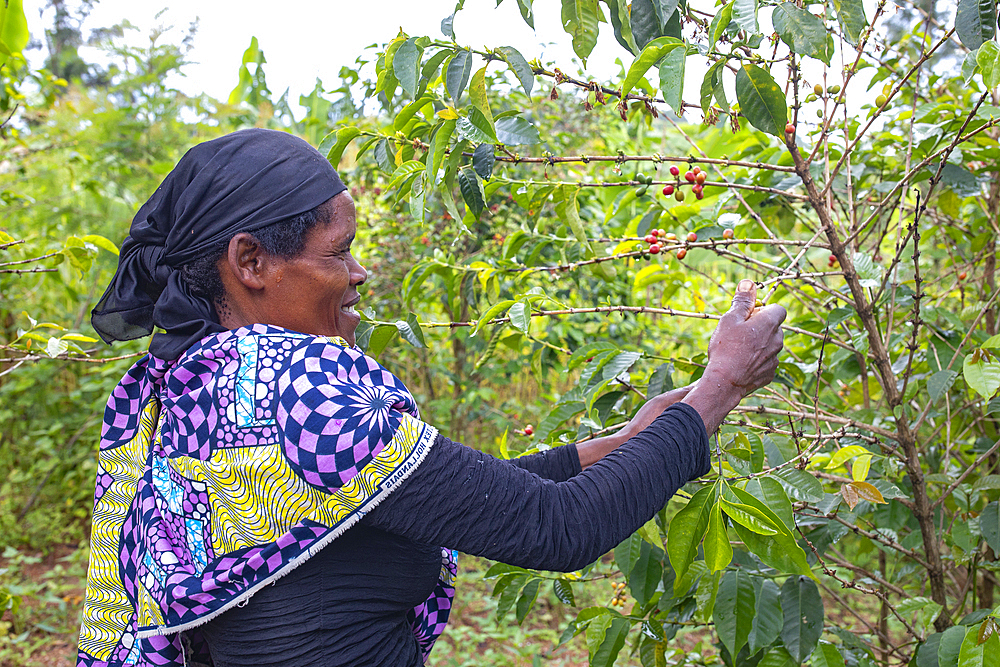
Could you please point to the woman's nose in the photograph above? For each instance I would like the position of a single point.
(358, 273)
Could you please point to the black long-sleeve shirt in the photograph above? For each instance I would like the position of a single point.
(347, 604)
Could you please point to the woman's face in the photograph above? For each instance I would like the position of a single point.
(316, 292)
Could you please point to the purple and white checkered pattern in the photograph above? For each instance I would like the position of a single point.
(334, 409)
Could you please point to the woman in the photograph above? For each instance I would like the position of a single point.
(268, 495)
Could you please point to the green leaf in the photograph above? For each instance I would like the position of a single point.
(379, 339)
(476, 127)
(772, 494)
(982, 376)
(939, 384)
(579, 20)
(101, 242)
(869, 273)
(844, 454)
(436, 153)
(620, 23)
(803, 613)
(987, 482)
(472, 190)
(651, 54)
(761, 100)
(403, 173)
(950, 646)
(780, 551)
(777, 657)
(975, 22)
(642, 19)
(672, 78)
(767, 617)
(520, 316)
(519, 66)
(799, 484)
(711, 84)
(988, 58)
(927, 654)
(483, 160)
(718, 550)
(991, 651)
(745, 15)
(803, 32)
(971, 653)
(527, 13)
(448, 26)
(13, 28)
(406, 65)
(56, 346)
(564, 591)
(647, 573)
(750, 517)
(334, 144)
(660, 380)
(458, 73)
(410, 331)
(719, 24)
(509, 586)
(851, 15)
(827, 655)
(734, 609)
(686, 530)
(612, 643)
(989, 525)
(516, 130)
(627, 553)
(664, 9)
(527, 600)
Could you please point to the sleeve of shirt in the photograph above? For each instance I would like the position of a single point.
(557, 464)
(464, 499)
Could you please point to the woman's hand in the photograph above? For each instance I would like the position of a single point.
(742, 356)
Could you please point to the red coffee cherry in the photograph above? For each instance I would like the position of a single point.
(674, 171)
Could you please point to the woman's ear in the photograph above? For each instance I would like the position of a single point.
(246, 261)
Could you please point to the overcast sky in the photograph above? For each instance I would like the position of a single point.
(306, 40)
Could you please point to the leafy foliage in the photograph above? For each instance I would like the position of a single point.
(512, 281)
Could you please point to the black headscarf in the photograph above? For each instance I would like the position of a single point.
(237, 183)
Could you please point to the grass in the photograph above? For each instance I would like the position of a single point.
(43, 632)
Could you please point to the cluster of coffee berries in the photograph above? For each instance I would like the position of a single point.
(528, 430)
(655, 239)
(644, 183)
(832, 261)
(696, 177)
(619, 599)
(819, 91)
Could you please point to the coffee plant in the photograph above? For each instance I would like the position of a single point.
(589, 232)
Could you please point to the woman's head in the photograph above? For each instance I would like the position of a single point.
(239, 184)
(299, 274)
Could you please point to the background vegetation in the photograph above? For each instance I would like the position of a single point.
(843, 156)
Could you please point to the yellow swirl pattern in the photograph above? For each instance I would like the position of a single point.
(256, 496)
(106, 610)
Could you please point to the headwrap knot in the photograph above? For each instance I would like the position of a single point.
(237, 183)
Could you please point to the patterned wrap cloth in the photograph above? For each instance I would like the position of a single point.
(223, 470)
